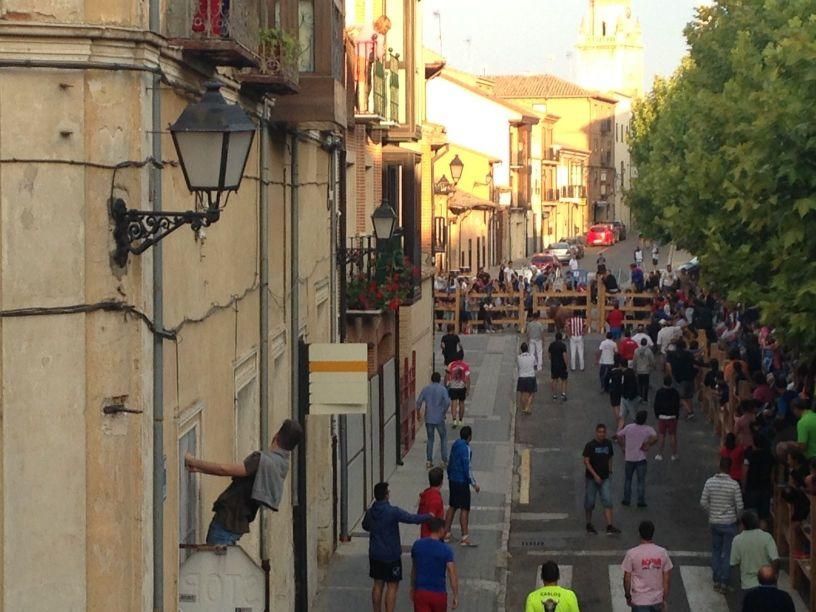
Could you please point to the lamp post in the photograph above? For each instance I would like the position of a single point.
(212, 140)
(457, 166)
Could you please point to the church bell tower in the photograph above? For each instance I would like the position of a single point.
(610, 48)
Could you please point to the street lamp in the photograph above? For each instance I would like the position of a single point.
(384, 219)
(212, 139)
(456, 168)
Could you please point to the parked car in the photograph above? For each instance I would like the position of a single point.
(545, 262)
(561, 250)
(621, 227)
(601, 234)
(691, 268)
(577, 245)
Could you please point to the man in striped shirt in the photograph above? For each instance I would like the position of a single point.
(722, 500)
(575, 330)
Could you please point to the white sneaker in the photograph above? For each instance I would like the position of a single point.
(658, 457)
(674, 457)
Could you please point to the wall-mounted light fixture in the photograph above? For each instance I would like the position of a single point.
(212, 140)
(457, 166)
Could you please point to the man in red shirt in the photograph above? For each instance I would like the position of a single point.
(627, 347)
(615, 321)
(430, 500)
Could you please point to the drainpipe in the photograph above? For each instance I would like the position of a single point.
(300, 531)
(263, 254)
(159, 461)
(342, 421)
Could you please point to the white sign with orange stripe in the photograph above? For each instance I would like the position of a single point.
(338, 378)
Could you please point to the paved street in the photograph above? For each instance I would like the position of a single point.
(551, 525)
(481, 569)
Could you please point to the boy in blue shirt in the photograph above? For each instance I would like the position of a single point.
(432, 562)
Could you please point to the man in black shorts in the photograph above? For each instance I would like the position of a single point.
(384, 547)
(460, 479)
(558, 366)
(451, 346)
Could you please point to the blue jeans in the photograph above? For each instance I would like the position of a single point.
(217, 535)
(656, 608)
(593, 489)
(632, 467)
(443, 440)
(603, 373)
(616, 333)
(721, 538)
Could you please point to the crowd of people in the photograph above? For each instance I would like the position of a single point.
(709, 357)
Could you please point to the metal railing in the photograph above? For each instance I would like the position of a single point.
(393, 87)
(215, 20)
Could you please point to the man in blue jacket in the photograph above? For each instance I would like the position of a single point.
(460, 479)
(384, 547)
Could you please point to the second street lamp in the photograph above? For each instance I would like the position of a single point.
(384, 220)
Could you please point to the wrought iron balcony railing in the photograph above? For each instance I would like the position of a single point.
(225, 32)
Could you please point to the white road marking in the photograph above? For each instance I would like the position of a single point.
(564, 581)
(539, 516)
(616, 592)
(611, 553)
(699, 588)
(524, 473)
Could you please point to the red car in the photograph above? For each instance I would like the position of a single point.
(545, 261)
(600, 234)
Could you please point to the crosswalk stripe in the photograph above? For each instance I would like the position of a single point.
(702, 597)
(616, 591)
(565, 580)
(524, 472)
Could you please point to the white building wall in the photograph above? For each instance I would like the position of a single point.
(473, 121)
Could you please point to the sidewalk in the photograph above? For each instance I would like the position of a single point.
(482, 570)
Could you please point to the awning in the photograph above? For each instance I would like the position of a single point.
(462, 201)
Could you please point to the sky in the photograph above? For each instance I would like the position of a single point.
(536, 36)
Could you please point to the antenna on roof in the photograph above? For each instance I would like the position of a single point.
(438, 16)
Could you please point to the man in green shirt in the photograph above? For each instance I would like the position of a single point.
(752, 549)
(551, 597)
(806, 431)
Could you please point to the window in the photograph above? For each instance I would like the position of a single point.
(247, 420)
(306, 35)
(189, 491)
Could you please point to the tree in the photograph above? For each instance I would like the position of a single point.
(726, 158)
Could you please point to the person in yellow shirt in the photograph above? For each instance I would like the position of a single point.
(551, 597)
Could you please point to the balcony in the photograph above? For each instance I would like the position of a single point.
(220, 32)
(377, 83)
(279, 53)
(573, 192)
(322, 99)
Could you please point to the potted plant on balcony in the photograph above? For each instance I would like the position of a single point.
(279, 53)
(392, 285)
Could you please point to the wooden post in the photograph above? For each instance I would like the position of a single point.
(588, 311)
(601, 304)
(522, 311)
(457, 310)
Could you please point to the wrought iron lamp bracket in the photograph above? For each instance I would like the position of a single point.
(135, 231)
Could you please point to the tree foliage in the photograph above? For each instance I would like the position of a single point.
(726, 157)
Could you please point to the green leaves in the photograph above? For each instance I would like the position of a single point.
(726, 157)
